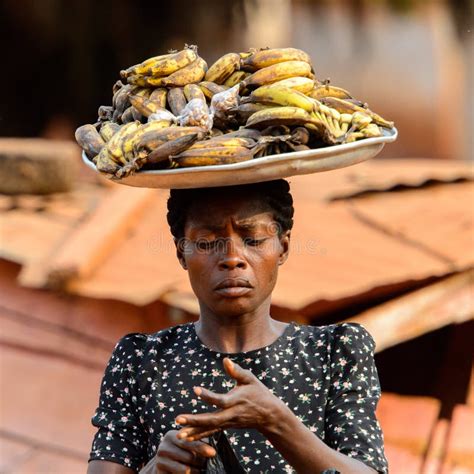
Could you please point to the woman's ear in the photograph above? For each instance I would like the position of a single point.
(179, 243)
(285, 247)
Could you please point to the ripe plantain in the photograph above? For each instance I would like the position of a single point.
(165, 65)
(209, 89)
(300, 84)
(105, 163)
(223, 68)
(268, 57)
(277, 72)
(244, 111)
(120, 102)
(281, 116)
(190, 74)
(89, 140)
(325, 90)
(235, 78)
(152, 139)
(129, 115)
(281, 95)
(213, 156)
(344, 106)
(114, 145)
(224, 140)
(143, 67)
(193, 91)
(145, 106)
(108, 130)
(159, 96)
(173, 63)
(160, 154)
(176, 100)
(172, 147)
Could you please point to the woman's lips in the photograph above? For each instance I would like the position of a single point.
(233, 287)
(233, 291)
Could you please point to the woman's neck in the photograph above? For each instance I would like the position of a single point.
(241, 333)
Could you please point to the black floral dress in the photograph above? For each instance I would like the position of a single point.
(325, 374)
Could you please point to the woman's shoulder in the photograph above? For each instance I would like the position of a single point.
(336, 335)
(139, 343)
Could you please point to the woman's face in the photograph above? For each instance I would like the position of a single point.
(232, 250)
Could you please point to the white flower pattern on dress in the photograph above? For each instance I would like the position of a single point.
(325, 374)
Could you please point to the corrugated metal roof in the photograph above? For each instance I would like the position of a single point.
(340, 248)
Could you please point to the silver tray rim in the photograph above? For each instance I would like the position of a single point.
(265, 168)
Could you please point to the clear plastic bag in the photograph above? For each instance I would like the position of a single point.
(196, 114)
(223, 102)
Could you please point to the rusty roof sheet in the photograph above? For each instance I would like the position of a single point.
(351, 235)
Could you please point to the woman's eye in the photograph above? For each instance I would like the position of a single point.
(253, 242)
(204, 244)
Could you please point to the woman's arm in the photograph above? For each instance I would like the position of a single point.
(107, 467)
(305, 451)
(251, 405)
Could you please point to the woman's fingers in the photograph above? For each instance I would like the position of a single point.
(167, 465)
(194, 434)
(242, 376)
(187, 453)
(220, 400)
(196, 448)
(215, 419)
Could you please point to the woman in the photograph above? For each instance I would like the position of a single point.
(289, 397)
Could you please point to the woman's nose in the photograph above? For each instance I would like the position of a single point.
(231, 256)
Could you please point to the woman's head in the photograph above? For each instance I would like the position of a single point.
(231, 241)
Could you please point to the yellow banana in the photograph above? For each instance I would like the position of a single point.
(326, 90)
(159, 96)
(235, 78)
(281, 116)
(108, 130)
(89, 140)
(176, 100)
(300, 84)
(114, 145)
(190, 74)
(244, 111)
(105, 163)
(164, 65)
(152, 139)
(143, 67)
(141, 91)
(145, 106)
(171, 147)
(211, 88)
(344, 122)
(224, 140)
(193, 91)
(146, 81)
(344, 106)
(213, 156)
(281, 95)
(267, 57)
(173, 63)
(277, 72)
(372, 130)
(223, 68)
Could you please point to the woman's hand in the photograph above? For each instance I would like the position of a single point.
(180, 455)
(248, 405)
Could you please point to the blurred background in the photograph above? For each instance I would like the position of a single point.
(387, 243)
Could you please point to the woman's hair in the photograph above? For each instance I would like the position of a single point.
(275, 194)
